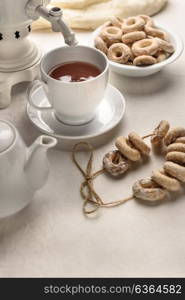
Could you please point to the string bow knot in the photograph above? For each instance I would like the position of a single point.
(87, 190)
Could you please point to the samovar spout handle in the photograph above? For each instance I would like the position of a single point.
(54, 16)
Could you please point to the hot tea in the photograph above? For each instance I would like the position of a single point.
(75, 71)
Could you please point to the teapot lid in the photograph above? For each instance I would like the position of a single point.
(7, 135)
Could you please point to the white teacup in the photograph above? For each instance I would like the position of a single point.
(74, 103)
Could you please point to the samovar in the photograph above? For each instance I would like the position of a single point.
(19, 56)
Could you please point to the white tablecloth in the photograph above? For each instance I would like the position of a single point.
(52, 237)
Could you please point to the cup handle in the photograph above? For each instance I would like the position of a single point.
(34, 85)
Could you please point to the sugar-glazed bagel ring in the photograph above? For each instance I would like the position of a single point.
(116, 21)
(106, 24)
(168, 183)
(161, 56)
(129, 63)
(147, 189)
(148, 20)
(132, 56)
(115, 163)
(160, 132)
(164, 45)
(119, 53)
(180, 140)
(133, 36)
(175, 170)
(139, 144)
(173, 134)
(133, 24)
(127, 149)
(144, 60)
(179, 147)
(100, 44)
(176, 156)
(154, 32)
(145, 47)
(111, 34)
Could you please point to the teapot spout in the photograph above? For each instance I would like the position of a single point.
(37, 166)
(46, 141)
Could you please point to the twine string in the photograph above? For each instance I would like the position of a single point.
(148, 135)
(87, 190)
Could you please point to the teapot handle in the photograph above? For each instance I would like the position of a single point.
(32, 87)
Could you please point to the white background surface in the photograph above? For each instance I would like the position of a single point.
(51, 237)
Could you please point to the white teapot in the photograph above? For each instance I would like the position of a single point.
(22, 170)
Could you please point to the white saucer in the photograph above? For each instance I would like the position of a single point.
(109, 114)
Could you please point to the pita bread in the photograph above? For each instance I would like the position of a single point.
(95, 15)
(77, 4)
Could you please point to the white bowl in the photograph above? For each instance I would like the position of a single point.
(134, 71)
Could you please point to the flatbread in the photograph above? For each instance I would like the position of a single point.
(95, 15)
(77, 4)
